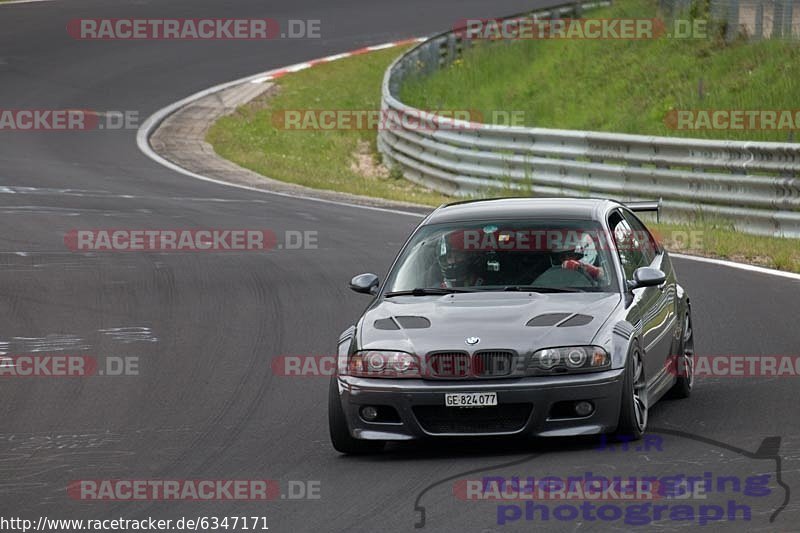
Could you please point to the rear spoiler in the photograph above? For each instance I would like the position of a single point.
(646, 206)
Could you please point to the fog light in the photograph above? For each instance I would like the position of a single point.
(369, 413)
(584, 408)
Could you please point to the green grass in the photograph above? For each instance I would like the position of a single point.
(617, 85)
(324, 159)
(319, 159)
(721, 241)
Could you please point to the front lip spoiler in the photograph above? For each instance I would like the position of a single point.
(445, 385)
(603, 389)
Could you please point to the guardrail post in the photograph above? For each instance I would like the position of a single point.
(759, 30)
(733, 20)
(777, 20)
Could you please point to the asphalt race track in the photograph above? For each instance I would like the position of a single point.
(205, 326)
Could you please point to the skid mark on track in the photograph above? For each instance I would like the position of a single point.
(67, 342)
(14, 189)
(25, 442)
(127, 335)
(103, 194)
(41, 260)
(52, 210)
(54, 342)
(35, 461)
(225, 425)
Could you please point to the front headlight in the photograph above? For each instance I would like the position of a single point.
(383, 364)
(568, 359)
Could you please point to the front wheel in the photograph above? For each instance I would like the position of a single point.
(341, 438)
(633, 411)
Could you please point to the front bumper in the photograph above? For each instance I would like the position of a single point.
(419, 405)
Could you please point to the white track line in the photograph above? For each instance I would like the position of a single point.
(740, 266)
(153, 121)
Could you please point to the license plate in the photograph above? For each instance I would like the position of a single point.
(470, 399)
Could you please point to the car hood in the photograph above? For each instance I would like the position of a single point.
(502, 320)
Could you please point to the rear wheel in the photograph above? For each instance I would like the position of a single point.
(341, 438)
(684, 365)
(633, 411)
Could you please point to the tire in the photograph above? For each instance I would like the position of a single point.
(633, 410)
(341, 438)
(684, 365)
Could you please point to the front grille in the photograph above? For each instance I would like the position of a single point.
(492, 363)
(448, 364)
(505, 418)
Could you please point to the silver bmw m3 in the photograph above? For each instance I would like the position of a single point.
(519, 316)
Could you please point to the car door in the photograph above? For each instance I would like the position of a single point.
(659, 319)
(642, 312)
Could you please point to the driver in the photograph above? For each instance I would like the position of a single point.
(459, 267)
(583, 257)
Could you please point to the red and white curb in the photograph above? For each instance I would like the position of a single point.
(153, 121)
(278, 73)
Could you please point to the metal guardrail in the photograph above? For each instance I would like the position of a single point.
(756, 19)
(754, 185)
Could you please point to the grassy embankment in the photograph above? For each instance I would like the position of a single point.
(624, 86)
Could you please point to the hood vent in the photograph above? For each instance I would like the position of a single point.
(402, 322)
(413, 322)
(561, 320)
(550, 319)
(575, 320)
(385, 323)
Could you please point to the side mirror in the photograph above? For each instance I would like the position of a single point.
(647, 277)
(365, 283)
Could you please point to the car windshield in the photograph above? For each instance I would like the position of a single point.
(506, 255)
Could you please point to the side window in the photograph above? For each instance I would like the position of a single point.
(630, 252)
(644, 238)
